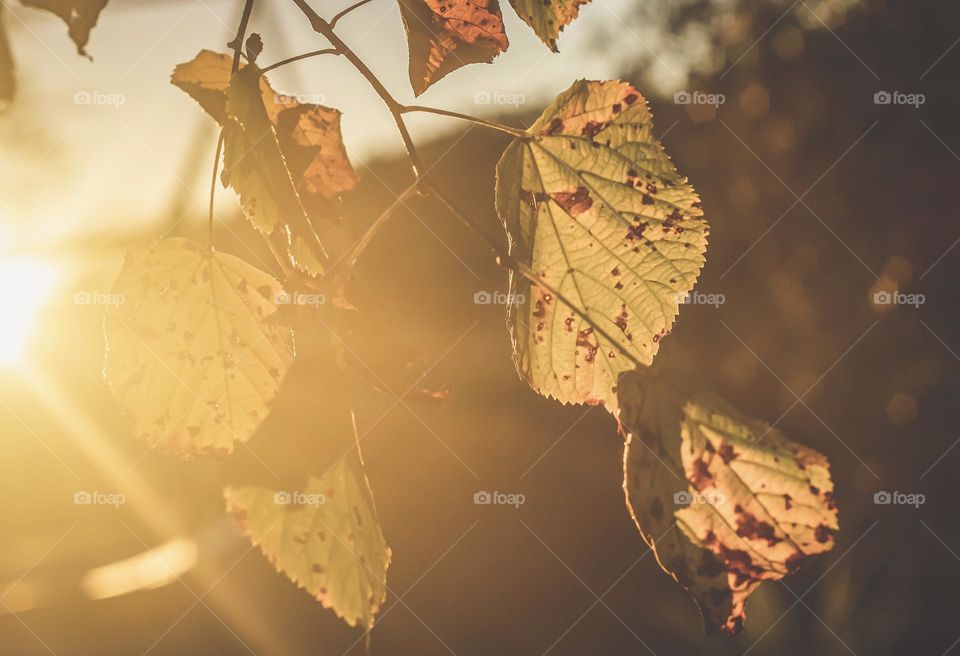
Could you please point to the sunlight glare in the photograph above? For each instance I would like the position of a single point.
(25, 285)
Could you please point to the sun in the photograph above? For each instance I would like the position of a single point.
(25, 286)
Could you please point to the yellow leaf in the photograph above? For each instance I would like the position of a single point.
(325, 538)
(548, 17)
(190, 355)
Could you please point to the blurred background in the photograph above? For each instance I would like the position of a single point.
(832, 268)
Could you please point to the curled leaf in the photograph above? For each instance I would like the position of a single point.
(79, 15)
(548, 17)
(190, 354)
(593, 206)
(324, 538)
(725, 501)
(444, 35)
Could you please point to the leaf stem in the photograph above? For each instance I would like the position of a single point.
(290, 60)
(213, 189)
(466, 117)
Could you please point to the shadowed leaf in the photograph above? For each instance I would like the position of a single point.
(7, 79)
(725, 501)
(79, 15)
(593, 205)
(444, 35)
(325, 538)
(190, 355)
(548, 17)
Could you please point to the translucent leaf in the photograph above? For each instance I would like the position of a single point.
(325, 538)
(548, 17)
(285, 159)
(749, 505)
(444, 35)
(593, 205)
(190, 355)
(79, 15)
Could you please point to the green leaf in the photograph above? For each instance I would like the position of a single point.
(326, 539)
(548, 17)
(285, 159)
(79, 15)
(190, 354)
(725, 501)
(593, 206)
(444, 35)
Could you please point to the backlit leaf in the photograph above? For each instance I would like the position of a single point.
(190, 355)
(725, 501)
(79, 15)
(325, 538)
(285, 159)
(548, 17)
(444, 35)
(593, 205)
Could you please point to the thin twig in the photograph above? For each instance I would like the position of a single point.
(290, 60)
(213, 189)
(466, 117)
(356, 5)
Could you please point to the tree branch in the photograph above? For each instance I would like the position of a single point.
(356, 5)
(290, 60)
(522, 134)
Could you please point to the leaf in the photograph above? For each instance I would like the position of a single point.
(285, 159)
(7, 80)
(444, 35)
(330, 544)
(594, 207)
(190, 355)
(750, 504)
(548, 17)
(79, 15)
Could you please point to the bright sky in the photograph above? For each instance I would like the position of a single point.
(129, 141)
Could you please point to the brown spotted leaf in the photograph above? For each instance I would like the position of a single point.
(593, 205)
(191, 355)
(725, 501)
(444, 35)
(285, 159)
(548, 17)
(79, 15)
(324, 538)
